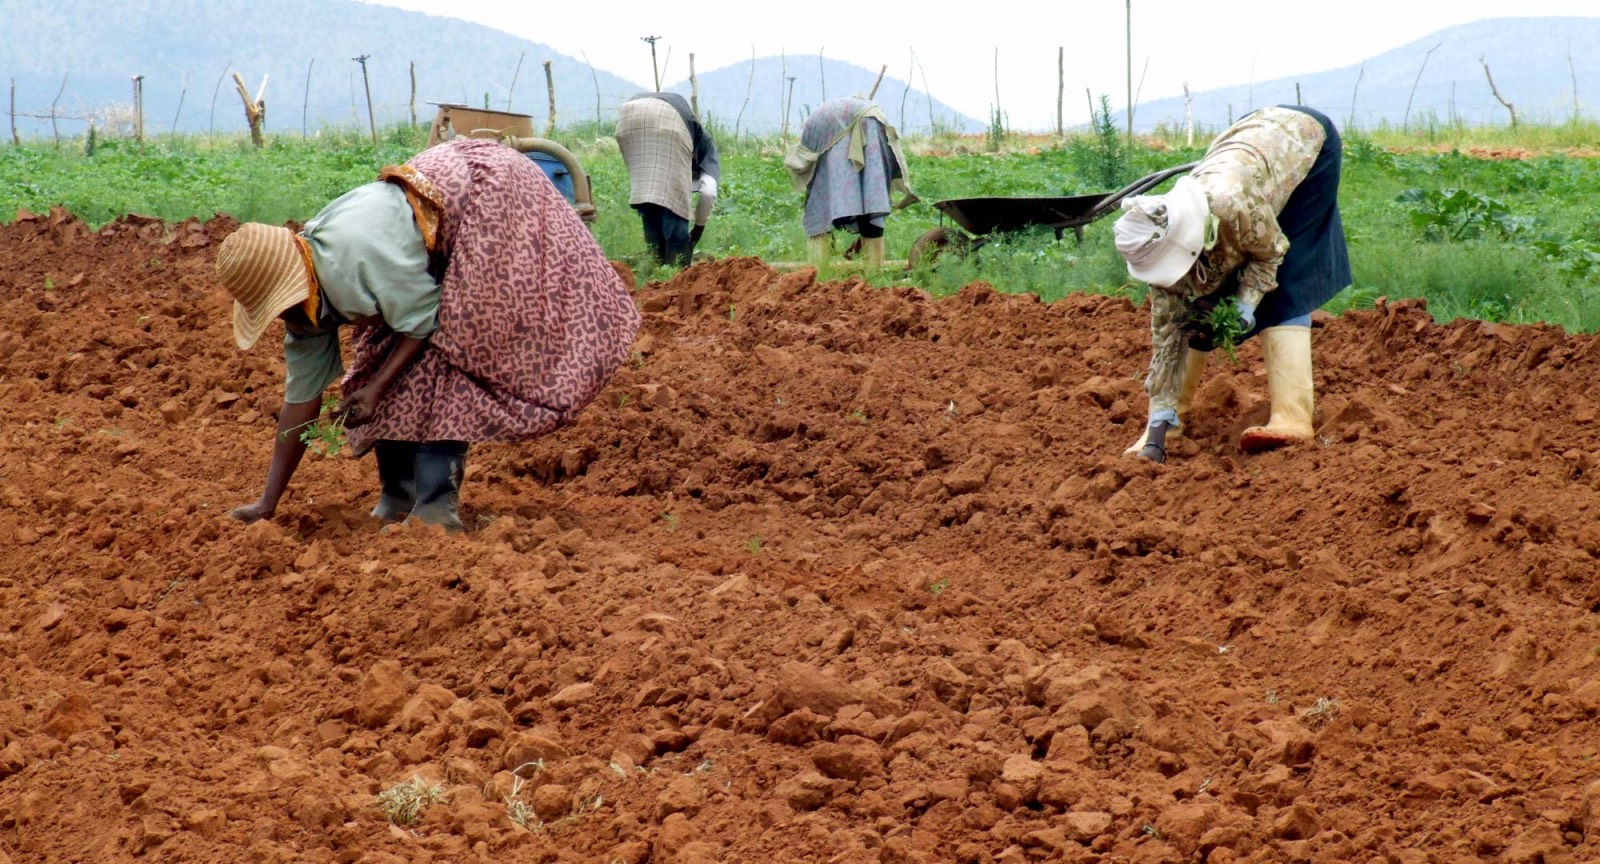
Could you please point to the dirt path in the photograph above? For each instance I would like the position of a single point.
(828, 573)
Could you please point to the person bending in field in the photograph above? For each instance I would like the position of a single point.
(670, 157)
(483, 311)
(1257, 221)
(848, 164)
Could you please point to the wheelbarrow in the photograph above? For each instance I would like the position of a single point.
(516, 131)
(985, 217)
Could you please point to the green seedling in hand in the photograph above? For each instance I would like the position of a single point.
(325, 434)
(1226, 328)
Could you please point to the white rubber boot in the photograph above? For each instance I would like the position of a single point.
(872, 253)
(1287, 352)
(819, 250)
(1194, 367)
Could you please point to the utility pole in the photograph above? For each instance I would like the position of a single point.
(653, 70)
(372, 124)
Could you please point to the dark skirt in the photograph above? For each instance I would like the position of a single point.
(1318, 264)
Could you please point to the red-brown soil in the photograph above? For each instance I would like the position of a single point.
(829, 573)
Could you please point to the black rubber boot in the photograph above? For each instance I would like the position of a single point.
(440, 467)
(396, 478)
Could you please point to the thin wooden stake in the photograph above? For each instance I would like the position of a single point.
(54, 131)
(1405, 120)
(1188, 117)
(16, 141)
(1061, 90)
(305, 100)
(514, 76)
(1297, 100)
(748, 85)
(788, 101)
(1496, 91)
(1130, 72)
(1576, 109)
(874, 91)
(181, 95)
(822, 74)
(694, 88)
(372, 123)
(413, 101)
(550, 85)
(138, 110)
(1350, 123)
(596, 79)
(654, 69)
(212, 133)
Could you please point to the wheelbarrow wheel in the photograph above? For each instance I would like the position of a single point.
(926, 249)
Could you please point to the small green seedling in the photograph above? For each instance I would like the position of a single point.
(1226, 328)
(754, 545)
(939, 586)
(670, 520)
(49, 284)
(325, 434)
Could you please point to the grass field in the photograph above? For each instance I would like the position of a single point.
(1495, 238)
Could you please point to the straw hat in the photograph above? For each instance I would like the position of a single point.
(261, 267)
(1160, 236)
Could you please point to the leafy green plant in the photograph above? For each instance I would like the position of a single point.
(324, 435)
(1226, 328)
(1460, 214)
(1576, 256)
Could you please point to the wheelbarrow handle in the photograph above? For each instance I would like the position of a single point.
(1137, 187)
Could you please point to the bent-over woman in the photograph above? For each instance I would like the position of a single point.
(482, 310)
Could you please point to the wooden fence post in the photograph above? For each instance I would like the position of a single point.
(413, 101)
(550, 86)
(138, 110)
(694, 88)
(514, 76)
(1061, 90)
(1496, 91)
(255, 111)
(15, 141)
(305, 100)
(372, 124)
(54, 131)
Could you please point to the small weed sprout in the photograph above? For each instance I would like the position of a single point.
(49, 284)
(520, 811)
(754, 545)
(858, 415)
(733, 312)
(403, 801)
(1272, 697)
(622, 401)
(939, 586)
(1324, 710)
(670, 520)
(1151, 831)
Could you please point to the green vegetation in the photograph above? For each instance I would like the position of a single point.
(1500, 239)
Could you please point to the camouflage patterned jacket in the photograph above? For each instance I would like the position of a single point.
(1248, 174)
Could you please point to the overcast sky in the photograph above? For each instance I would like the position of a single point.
(1207, 44)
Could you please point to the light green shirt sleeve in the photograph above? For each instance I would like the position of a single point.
(371, 260)
(313, 363)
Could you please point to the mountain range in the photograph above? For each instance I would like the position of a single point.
(1536, 63)
(80, 56)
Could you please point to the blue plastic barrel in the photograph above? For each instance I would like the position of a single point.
(557, 172)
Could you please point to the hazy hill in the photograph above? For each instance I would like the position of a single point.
(183, 47)
(100, 45)
(722, 95)
(1528, 56)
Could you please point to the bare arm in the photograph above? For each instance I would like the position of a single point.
(362, 404)
(287, 449)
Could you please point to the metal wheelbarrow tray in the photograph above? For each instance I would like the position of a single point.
(990, 215)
